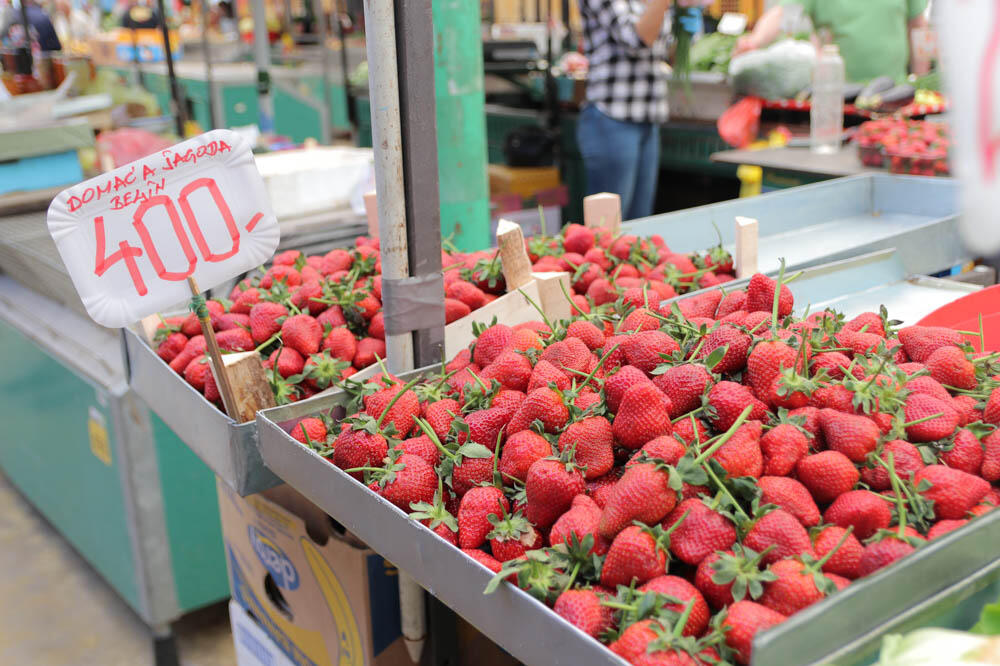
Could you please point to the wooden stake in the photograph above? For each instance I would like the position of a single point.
(603, 210)
(371, 210)
(212, 347)
(745, 261)
(554, 303)
(516, 264)
(149, 325)
(248, 382)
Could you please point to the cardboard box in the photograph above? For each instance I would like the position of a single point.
(526, 182)
(252, 644)
(321, 597)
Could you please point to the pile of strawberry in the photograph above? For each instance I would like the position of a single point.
(672, 481)
(318, 319)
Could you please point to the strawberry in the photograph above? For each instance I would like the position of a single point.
(745, 619)
(882, 553)
(928, 418)
(732, 302)
(231, 320)
(854, 436)
(865, 510)
(906, 460)
(645, 350)
(583, 609)
(760, 296)
(589, 334)
(421, 446)
(408, 479)
(234, 340)
(369, 349)
(859, 343)
(643, 493)
(928, 386)
(621, 381)
(486, 427)
(440, 414)
(798, 585)
(396, 405)
(664, 448)
(949, 366)
(357, 448)
(783, 447)
(544, 374)
(550, 487)
(637, 554)
(808, 418)
(332, 316)
(967, 409)
(473, 514)
(196, 371)
(490, 343)
(683, 592)
(635, 640)
(965, 454)
(600, 490)
(919, 342)
(468, 293)
(578, 238)
(942, 527)
(953, 491)
(726, 400)
(523, 339)
(782, 530)
(264, 320)
(337, 259)
(592, 440)
(341, 343)
(701, 533)
(310, 430)
(827, 475)
(470, 472)
(245, 300)
(512, 536)
(519, 452)
(833, 396)
(845, 561)
(302, 333)
(568, 355)
(580, 520)
(704, 305)
(288, 361)
(766, 361)
(736, 343)
(741, 455)
(508, 401)
(171, 346)
(644, 414)
(990, 469)
(511, 369)
(790, 495)
(601, 291)
(542, 404)
(730, 575)
(835, 364)
(991, 413)
(684, 386)
(454, 310)
(690, 431)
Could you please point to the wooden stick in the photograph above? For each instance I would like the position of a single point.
(371, 210)
(516, 264)
(603, 210)
(149, 325)
(248, 381)
(553, 297)
(745, 261)
(212, 347)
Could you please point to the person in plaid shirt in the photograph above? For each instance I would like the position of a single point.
(626, 43)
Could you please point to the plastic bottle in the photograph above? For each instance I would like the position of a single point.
(826, 118)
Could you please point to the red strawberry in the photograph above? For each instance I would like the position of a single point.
(405, 406)
(634, 641)
(491, 342)
(231, 320)
(512, 536)
(949, 366)
(583, 609)
(194, 348)
(589, 334)
(636, 554)
(519, 452)
(470, 473)
(645, 350)
(741, 455)
(466, 292)
(953, 491)
(835, 364)
(542, 404)
(578, 238)
(906, 461)
(791, 496)
(302, 333)
(264, 320)
(410, 480)
(337, 259)
(942, 527)
(621, 381)
(701, 533)
(454, 310)
(357, 448)
(511, 369)
(827, 475)
(664, 448)
(991, 413)
(333, 315)
(919, 342)
(760, 296)
(967, 409)
(965, 454)
(508, 401)
(766, 361)
(171, 346)
(865, 510)
(543, 374)
(341, 343)
(731, 302)
(550, 487)
(196, 372)
(310, 430)
(593, 440)
(833, 396)
(920, 406)
(288, 361)
(798, 585)
(782, 530)
(569, 354)
(422, 447)
(846, 560)
(643, 493)
(245, 300)
(929, 386)
(684, 592)
(644, 414)
(690, 431)
(990, 469)
(234, 340)
(882, 553)
(744, 620)
(369, 349)
(736, 343)
(440, 414)
(783, 446)
(473, 514)
(684, 385)
(581, 519)
(726, 401)
(486, 426)
(854, 436)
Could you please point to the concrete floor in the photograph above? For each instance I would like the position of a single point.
(56, 610)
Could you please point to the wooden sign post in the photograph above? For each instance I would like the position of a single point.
(745, 258)
(517, 272)
(603, 210)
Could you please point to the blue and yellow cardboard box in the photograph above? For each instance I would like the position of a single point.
(324, 599)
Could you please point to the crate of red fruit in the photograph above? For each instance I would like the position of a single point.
(910, 147)
(727, 481)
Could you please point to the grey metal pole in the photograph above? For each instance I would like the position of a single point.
(180, 110)
(209, 81)
(323, 33)
(262, 58)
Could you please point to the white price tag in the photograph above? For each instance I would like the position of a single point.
(131, 237)
(969, 35)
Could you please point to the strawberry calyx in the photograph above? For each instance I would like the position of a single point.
(324, 370)
(661, 536)
(909, 505)
(743, 570)
(434, 513)
(814, 566)
(536, 574)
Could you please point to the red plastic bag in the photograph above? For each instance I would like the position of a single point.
(738, 125)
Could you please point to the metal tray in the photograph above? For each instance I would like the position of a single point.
(228, 448)
(836, 219)
(862, 284)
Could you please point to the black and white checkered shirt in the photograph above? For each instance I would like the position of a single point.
(627, 79)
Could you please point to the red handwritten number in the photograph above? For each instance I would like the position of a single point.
(125, 253)
(147, 240)
(192, 220)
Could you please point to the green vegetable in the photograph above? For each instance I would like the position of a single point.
(778, 72)
(712, 52)
(937, 647)
(989, 620)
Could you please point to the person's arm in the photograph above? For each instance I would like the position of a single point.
(635, 31)
(766, 30)
(919, 64)
(650, 24)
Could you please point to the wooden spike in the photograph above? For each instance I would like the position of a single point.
(553, 298)
(251, 391)
(516, 265)
(603, 210)
(148, 326)
(212, 348)
(745, 261)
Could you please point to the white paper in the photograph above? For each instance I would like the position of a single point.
(170, 210)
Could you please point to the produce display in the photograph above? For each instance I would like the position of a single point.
(673, 480)
(318, 319)
(712, 52)
(914, 147)
(779, 71)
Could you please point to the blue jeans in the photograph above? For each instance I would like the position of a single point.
(620, 157)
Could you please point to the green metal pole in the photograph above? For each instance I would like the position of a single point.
(461, 124)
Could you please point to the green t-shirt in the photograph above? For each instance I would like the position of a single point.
(872, 34)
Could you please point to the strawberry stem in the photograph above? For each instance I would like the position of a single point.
(431, 435)
(572, 577)
(267, 342)
(921, 420)
(724, 437)
(694, 411)
(364, 469)
(683, 619)
(826, 558)
(900, 502)
(722, 487)
(409, 385)
(535, 305)
(777, 298)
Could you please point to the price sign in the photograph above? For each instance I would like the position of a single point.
(131, 237)
(969, 36)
